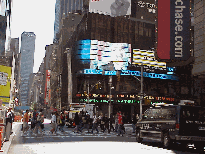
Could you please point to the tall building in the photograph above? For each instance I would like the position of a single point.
(199, 38)
(5, 11)
(63, 7)
(198, 70)
(27, 62)
(3, 23)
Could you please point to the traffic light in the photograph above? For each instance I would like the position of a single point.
(147, 102)
(85, 93)
(96, 86)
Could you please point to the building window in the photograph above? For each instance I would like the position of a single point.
(146, 31)
(150, 32)
(141, 29)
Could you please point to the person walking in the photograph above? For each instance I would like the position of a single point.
(8, 124)
(106, 119)
(123, 122)
(39, 123)
(62, 121)
(25, 122)
(111, 122)
(120, 124)
(102, 123)
(12, 118)
(134, 121)
(53, 123)
(95, 124)
(58, 118)
(86, 122)
(100, 119)
(34, 120)
(80, 120)
(76, 120)
(116, 122)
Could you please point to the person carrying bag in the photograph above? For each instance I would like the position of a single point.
(62, 121)
(40, 121)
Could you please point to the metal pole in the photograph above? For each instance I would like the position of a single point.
(88, 91)
(110, 101)
(141, 97)
(110, 83)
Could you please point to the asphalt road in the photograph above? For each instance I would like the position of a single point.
(74, 143)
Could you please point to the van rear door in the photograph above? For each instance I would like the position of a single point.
(192, 121)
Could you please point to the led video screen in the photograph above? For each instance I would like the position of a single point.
(99, 54)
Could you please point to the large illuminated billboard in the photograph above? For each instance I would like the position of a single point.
(5, 75)
(111, 7)
(173, 28)
(98, 54)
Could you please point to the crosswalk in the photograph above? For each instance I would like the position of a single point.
(70, 133)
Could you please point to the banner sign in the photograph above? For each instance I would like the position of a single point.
(129, 72)
(47, 87)
(5, 84)
(173, 29)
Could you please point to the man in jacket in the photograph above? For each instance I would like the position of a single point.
(95, 124)
(120, 124)
(25, 122)
(134, 121)
(40, 120)
(86, 122)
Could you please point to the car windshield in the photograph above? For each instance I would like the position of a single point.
(160, 113)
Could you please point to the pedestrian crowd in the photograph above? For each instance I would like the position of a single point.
(81, 121)
(36, 119)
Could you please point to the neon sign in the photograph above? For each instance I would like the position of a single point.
(125, 101)
(107, 101)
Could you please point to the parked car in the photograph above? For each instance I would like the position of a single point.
(175, 123)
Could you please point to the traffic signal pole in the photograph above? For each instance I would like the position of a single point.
(141, 95)
(109, 110)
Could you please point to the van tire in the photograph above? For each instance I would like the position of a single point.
(199, 147)
(166, 140)
(138, 139)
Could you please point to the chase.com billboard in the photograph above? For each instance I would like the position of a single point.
(111, 7)
(173, 29)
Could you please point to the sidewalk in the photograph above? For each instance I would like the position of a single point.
(6, 145)
(15, 127)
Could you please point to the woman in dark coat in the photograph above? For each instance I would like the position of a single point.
(77, 121)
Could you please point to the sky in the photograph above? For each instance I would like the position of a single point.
(34, 16)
